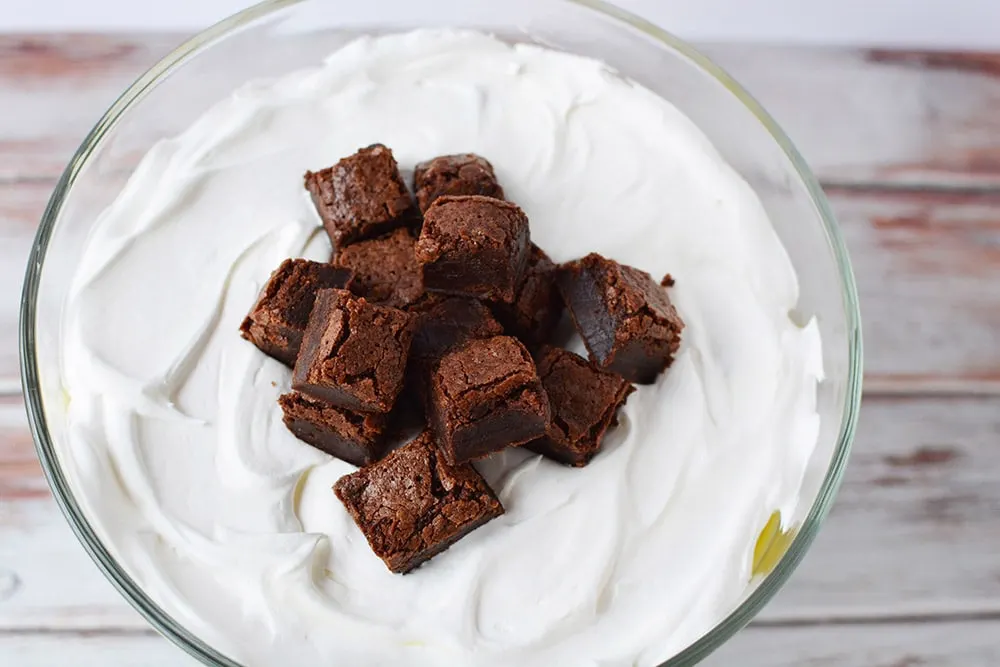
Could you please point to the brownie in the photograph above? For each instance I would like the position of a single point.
(440, 324)
(361, 197)
(411, 505)
(353, 353)
(538, 305)
(384, 268)
(278, 319)
(355, 437)
(485, 395)
(474, 246)
(465, 174)
(584, 401)
(625, 318)
(448, 322)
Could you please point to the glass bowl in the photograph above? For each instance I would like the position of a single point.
(282, 35)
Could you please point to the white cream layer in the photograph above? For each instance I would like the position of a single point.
(176, 446)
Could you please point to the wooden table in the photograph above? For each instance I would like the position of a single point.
(906, 572)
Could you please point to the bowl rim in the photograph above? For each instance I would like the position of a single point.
(194, 646)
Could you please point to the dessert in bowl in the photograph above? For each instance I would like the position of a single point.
(161, 430)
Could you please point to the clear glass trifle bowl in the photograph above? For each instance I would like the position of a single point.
(281, 36)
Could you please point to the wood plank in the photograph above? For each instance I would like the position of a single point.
(927, 265)
(911, 536)
(913, 530)
(41, 74)
(929, 645)
(902, 118)
(21, 206)
(46, 578)
(91, 650)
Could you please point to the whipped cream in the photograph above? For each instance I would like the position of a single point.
(176, 447)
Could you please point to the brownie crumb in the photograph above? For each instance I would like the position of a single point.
(625, 318)
(278, 320)
(668, 280)
(584, 401)
(353, 353)
(411, 505)
(362, 196)
(355, 437)
(451, 175)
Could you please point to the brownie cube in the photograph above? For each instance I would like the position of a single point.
(625, 318)
(355, 437)
(451, 175)
(584, 401)
(485, 395)
(441, 324)
(412, 505)
(474, 246)
(385, 269)
(353, 353)
(278, 319)
(448, 322)
(361, 197)
(537, 307)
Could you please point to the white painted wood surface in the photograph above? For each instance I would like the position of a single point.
(939, 23)
(905, 572)
(935, 645)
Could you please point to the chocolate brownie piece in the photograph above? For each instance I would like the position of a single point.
(412, 505)
(584, 401)
(538, 305)
(448, 322)
(361, 196)
(474, 246)
(626, 320)
(384, 268)
(355, 437)
(353, 353)
(443, 323)
(465, 174)
(485, 395)
(278, 319)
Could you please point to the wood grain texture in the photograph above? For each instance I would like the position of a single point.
(927, 267)
(931, 645)
(888, 645)
(46, 578)
(92, 650)
(912, 534)
(913, 530)
(900, 118)
(41, 74)
(21, 206)
(905, 119)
